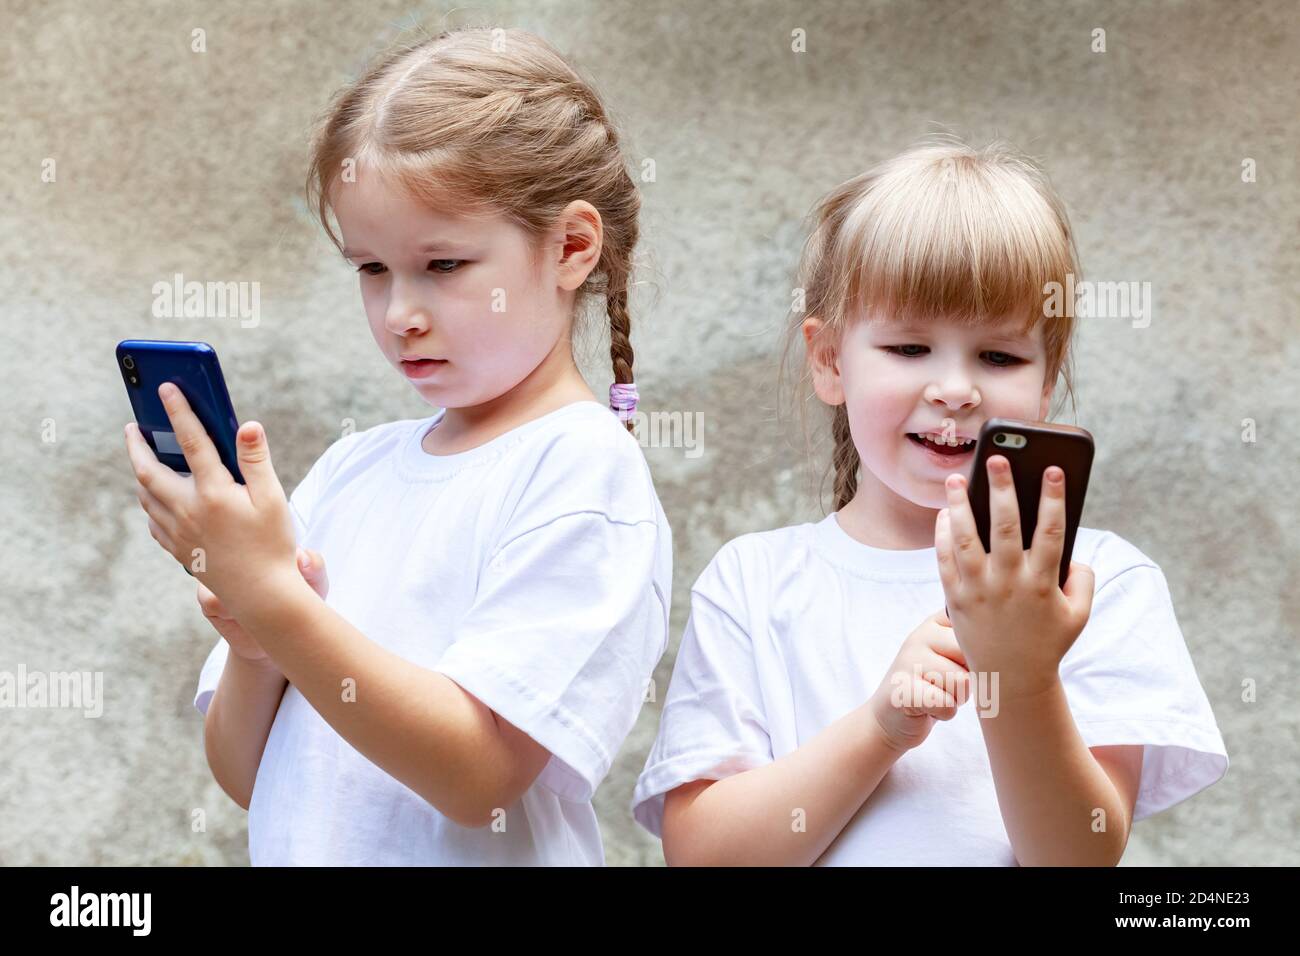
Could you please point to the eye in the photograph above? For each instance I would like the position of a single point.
(439, 265)
(1003, 359)
(366, 268)
(897, 350)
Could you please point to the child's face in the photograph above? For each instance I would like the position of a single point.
(898, 379)
(462, 290)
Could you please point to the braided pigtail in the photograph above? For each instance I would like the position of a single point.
(622, 394)
(844, 458)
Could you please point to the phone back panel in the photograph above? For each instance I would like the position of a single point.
(1067, 447)
(193, 367)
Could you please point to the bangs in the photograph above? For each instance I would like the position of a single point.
(943, 236)
(432, 178)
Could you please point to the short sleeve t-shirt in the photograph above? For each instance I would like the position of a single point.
(534, 570)
(792, 629)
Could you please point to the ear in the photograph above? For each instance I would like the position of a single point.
(581, 236)
(824, 361)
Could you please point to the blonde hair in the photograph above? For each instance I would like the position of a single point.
(941, 230)
(490, 120)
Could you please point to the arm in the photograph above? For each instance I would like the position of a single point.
(1049, 784)
(749, 819)
(417, 725)
(1013, 621)
(235, 740)
(238, 722)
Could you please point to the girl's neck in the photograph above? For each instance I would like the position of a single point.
(879, 517)
(555, 382)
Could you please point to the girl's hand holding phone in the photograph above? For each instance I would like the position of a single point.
(240, 641)
(928, 681)
(243, 532)
(1009, 614)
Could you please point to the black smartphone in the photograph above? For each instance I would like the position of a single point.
(193, 368)
(1031, 447)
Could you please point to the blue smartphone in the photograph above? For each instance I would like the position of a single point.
(193, 368)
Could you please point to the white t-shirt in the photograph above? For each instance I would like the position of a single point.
(534, 570)
(791, 629)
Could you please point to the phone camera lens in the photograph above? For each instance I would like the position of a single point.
(129, 363)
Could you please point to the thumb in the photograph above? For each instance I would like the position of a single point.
(941, 617)
(1078, 589)
(254, 455)
(312, 565)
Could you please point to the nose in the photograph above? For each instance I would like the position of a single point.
(955, 390)
(406, 313)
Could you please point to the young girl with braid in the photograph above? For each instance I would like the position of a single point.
(500, 572)
(815, 710)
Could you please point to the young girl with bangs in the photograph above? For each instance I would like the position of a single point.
(500, 572)
(815, 713)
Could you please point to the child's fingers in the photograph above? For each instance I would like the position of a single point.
(200, 454)
(239, 640)
(929, 682)
(161, 536)
(312, 565)
(1006, 546)
(967, 548)
(942, 641)
(943, 713)
(210, 604)
(1079, 588)
(949, 574)
(931, 700)
(254, 451)
(151, 506)
(1049, 535)
(944, 673)
(152, 474)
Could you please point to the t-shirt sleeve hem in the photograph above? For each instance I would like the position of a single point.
(209, 676)
(657, 781)
(1180, 759)
(202, 699)
(578, 762)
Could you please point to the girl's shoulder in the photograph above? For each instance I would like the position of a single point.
(761, 547)
(758, 562)
(583, 435)
(1108, 554)
(580, 458)
(361, 448)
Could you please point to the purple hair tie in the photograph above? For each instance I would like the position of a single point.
(622, 399)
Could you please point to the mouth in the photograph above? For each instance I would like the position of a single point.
(421, 368)
(949, 452)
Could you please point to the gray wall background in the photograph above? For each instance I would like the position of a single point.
(170, 161)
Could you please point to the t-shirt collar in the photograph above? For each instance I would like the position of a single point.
(414, 463)
(848, 552)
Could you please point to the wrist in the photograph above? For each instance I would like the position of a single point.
(878, 736)
(1027, 695)
(276, 607)
(254, 669)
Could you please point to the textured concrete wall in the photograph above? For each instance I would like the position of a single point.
(170, 161)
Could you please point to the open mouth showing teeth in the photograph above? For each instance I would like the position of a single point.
(942, 446)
